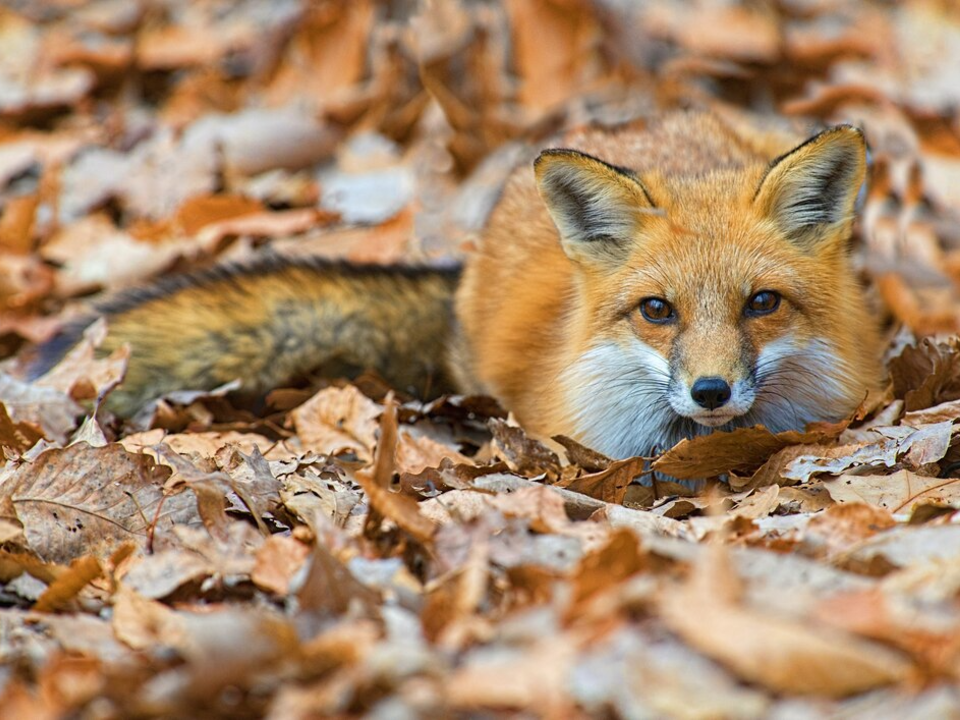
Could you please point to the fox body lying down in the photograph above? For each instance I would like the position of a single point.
(634, 288)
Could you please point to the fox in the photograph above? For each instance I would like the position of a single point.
(634, 287)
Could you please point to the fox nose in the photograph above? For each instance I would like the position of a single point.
(710, 392)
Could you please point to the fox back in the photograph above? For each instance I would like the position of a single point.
(654, 283)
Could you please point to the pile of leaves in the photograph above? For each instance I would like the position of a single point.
(353, 552)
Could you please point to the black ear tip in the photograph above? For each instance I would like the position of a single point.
(554, 153)
(848, 130)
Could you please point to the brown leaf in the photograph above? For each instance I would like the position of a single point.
(538, 678)
(608, 485)
(900, 492)
(278, 561)
(523, 455)
(92, 254)
(603, 569)
(784, 654)
(923, 318)
(327, 53)
(88, 501)
(16, 223)
(329, 587)
(81, 373)
(61, 592)
(202, 210)
(840, 527)
(903, 546)
(142, 623)
(384, 503)
(741, 451)
(914, 448)
(52, 410)
(541, 506)
(453, 603)
(418, 452)
(927, 374)
(723, 31)
(163, 573)
(252, 481)
(17, 436)
(554, 49)
(577, 454)
(336, 420)
(949, 410)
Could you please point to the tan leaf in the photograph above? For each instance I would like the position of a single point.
(337, 420)
(18, 436)
(68, 584)
(142, 623)
(915, 448)
(277, 562)
(81, 373)
(418, 452)
(161, 574)
(88, 501)
(375, 482)
(554, 49)
(52, 410)
(787, 655)
(840, 527)
(898, 492)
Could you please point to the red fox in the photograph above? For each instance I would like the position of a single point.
(635, 287)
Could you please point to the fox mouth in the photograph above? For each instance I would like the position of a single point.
(715, 419)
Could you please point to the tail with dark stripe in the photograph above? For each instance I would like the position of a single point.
(268, 322)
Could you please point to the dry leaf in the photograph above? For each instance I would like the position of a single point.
(740, 451)
(88, 501)
(784, 654)
(277, 562)
(898, 493)
(337, 420)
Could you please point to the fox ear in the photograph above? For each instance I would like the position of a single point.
(596, 207)
(811, 191)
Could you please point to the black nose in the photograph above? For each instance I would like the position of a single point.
(710, 392)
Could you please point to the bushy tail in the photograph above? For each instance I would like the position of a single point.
(272, 321)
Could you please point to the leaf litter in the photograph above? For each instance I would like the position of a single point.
(350, 553)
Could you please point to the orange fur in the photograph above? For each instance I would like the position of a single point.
(703, 234)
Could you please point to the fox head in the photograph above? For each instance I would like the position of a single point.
(720, 300)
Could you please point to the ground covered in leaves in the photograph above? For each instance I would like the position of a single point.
(351, 552)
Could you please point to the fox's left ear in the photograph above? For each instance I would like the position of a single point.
(598, 208)
(811, 191)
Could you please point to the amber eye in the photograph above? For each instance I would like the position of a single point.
(656, 310)
(762, 303)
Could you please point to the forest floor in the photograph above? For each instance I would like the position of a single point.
(352, 552)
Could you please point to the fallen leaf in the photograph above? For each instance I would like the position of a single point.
(899, 492)
(376, 482)
(336, 420)
(927, 374)
(786, 655)
(88, 501)
(608, 485)
(68, 584)
(523, 454)
(741, 451)
(277, 562)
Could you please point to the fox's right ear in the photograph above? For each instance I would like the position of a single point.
(811, 191)
(597, 207)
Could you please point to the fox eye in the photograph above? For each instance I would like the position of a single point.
(762, 303)
(656, 310)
